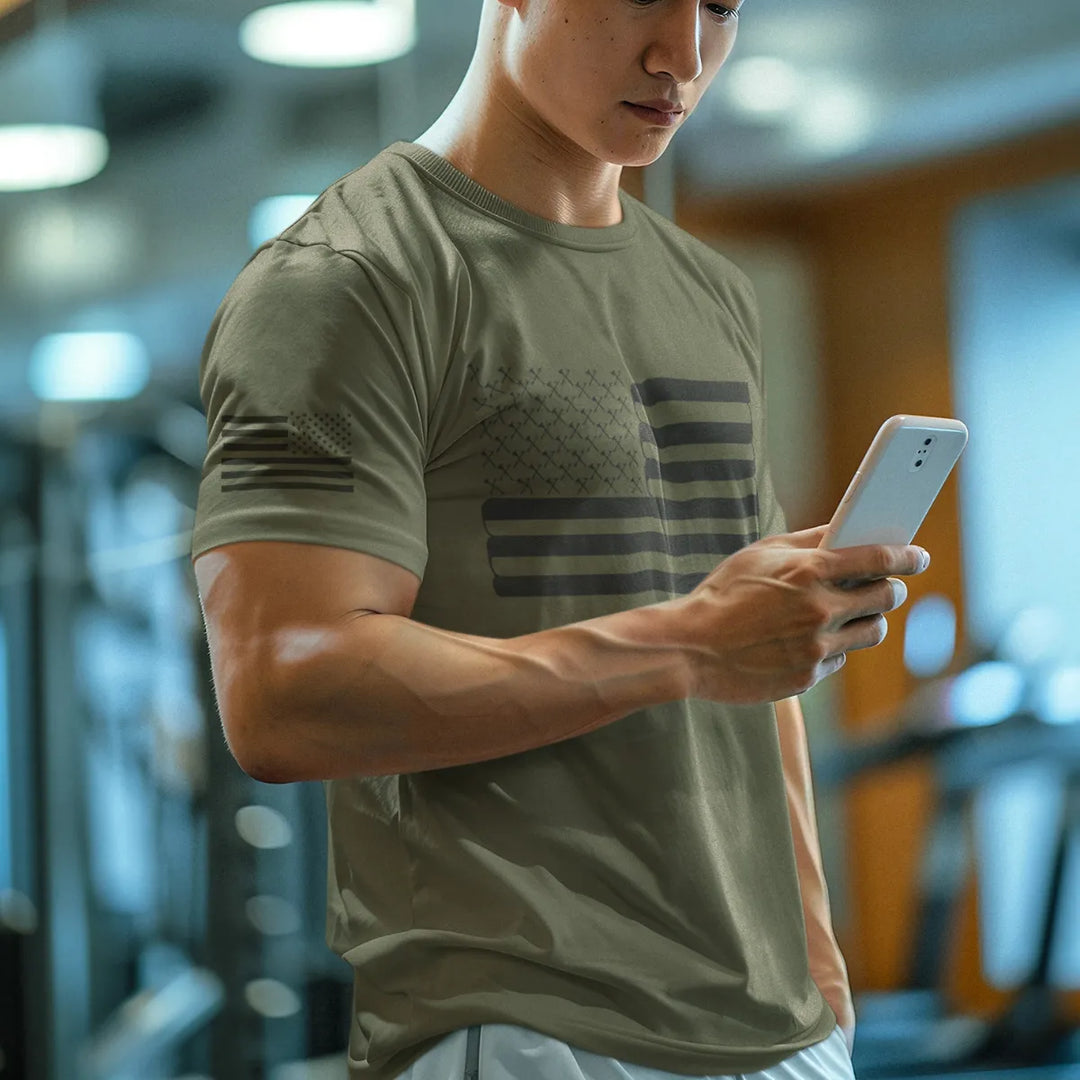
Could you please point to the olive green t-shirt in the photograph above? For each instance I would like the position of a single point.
(545, 423)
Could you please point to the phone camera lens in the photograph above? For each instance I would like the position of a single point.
(918, 464)
(927, 442)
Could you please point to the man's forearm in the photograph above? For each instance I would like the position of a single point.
(383, 694)
(827, 965)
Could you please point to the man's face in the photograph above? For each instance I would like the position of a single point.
(579, 61)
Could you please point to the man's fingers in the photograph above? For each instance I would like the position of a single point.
(873, 561)
(871, 598)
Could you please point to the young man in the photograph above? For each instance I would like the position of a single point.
(545, 115)
(486, 540)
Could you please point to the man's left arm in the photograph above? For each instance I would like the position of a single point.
(827, 967)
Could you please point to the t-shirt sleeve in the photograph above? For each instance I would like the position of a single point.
(313, 382)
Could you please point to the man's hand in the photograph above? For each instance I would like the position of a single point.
(772, 621)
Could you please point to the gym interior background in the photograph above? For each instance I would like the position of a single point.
(902, 184)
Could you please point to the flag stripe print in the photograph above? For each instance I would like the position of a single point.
(530, 539)
(286, 452)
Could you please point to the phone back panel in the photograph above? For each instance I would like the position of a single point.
(895, 486)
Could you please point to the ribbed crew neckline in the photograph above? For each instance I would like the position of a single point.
(601, 238)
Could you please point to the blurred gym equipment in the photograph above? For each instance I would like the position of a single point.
(161, 913)
(992, 719)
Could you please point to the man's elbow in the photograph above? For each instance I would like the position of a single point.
(266, 775)
(251, 749)
(252, 762)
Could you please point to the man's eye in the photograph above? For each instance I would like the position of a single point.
(725, 13)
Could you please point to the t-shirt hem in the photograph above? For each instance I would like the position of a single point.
(714, 1057)
(607, 1042)
(397, 548)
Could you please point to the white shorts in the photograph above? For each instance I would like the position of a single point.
(509, 1052)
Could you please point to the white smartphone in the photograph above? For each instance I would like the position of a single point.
(901, 474)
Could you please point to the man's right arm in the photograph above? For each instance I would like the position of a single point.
(384, 694)
(379, 694)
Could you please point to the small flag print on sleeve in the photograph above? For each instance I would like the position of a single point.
(308, 451)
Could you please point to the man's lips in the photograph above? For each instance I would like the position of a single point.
(659, 104)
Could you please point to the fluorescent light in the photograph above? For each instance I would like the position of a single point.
(263, 827)
(88, 367)
(270, 216)
(50, 122)
(1034, 635)
(271, 998)
(57, 247)
(330, 33)
(764, 85)
(37, 156)
(930, 636)
(986, 693)
(1060, 697)
(837, 118)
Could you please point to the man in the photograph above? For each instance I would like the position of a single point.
(486, 541)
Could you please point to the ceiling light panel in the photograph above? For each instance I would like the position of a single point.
(330, 33)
